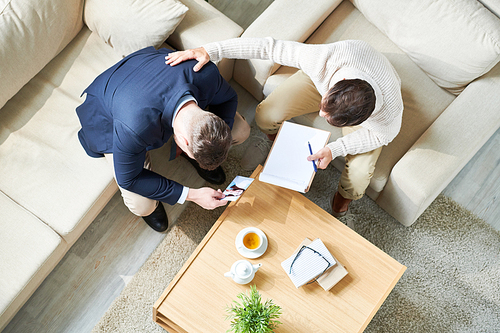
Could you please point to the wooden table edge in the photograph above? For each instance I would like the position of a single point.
(193, 256)
(168, 325)
(384, 297)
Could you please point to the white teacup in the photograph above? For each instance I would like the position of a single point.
(250, 240)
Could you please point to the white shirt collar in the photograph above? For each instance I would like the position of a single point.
(184, 99)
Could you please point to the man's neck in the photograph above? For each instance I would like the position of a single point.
(182, 124)
(184, 115)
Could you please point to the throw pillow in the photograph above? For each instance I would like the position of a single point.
(130, 25)
(32, 33)
(454, 42)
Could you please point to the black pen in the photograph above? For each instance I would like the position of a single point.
(311, 151)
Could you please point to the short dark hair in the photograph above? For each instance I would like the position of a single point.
(210, 141)
(348, 103)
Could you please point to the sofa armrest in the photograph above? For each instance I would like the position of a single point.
(203, 24)
(292, 20)
(443, 150)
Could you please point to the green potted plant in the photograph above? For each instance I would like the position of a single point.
(253, 316)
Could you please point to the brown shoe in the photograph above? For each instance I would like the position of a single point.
(256, 153)
(340, 205)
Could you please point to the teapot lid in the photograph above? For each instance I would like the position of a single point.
(243, 269)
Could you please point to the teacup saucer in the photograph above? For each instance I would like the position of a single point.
(251, 254)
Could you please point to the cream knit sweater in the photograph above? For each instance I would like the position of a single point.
(327, 64)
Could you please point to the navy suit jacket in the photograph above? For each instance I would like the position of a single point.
(129, 108)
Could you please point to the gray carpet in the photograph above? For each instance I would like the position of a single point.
(451, 285)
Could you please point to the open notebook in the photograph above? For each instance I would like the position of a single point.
(287, 165)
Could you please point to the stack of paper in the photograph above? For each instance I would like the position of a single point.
(308, 264)
(332, 276)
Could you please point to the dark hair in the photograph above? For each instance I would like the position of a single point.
(348, 103)
(210, 141)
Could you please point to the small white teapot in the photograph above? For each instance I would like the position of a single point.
(242, 271)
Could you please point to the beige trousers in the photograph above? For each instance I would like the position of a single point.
(142, 206)
(297, 96)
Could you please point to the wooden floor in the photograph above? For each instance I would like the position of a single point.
(477, 186)
(243, 12)
(96, 269)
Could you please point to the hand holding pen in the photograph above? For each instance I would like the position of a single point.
(324, 157)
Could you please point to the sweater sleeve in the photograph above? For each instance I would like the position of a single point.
(287, 53)
(358, 142)
(368, 138)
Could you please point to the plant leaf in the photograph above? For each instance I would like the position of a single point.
(250, 315)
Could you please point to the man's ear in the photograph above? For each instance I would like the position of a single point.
(186, 146)
(185, 140)
(182, 139)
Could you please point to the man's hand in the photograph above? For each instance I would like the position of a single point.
(199, 54)
(324, 155)
(206, 197)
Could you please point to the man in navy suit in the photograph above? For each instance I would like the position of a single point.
(137, 105)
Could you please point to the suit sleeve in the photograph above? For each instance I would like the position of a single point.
(129, 154)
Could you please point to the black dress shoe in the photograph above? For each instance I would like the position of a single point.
(216, 177)
(158, 219)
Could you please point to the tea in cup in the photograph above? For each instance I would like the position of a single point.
(251, 241)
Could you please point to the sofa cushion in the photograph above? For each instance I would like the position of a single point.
(31, 34)
(454, 42)
(130, 25)
(29, 250)
(44, 168)
(423, 100)
(202, 24)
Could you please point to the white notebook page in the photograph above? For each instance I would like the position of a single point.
(287, 163)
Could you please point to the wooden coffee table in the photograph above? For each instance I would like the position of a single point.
(196, 299)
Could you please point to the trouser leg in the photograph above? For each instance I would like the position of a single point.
(240, 131)
(296, 96)
(358, 171)
(137, 204)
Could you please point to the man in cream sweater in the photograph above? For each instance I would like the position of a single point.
(352, 85)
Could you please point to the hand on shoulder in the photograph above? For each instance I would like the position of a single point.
(199, 54)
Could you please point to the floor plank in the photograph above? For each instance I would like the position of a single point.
(242, 12)
(477, 186)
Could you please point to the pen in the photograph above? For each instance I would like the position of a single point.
(310, 150)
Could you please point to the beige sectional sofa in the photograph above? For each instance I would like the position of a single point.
(50, 51)
(446, 53)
